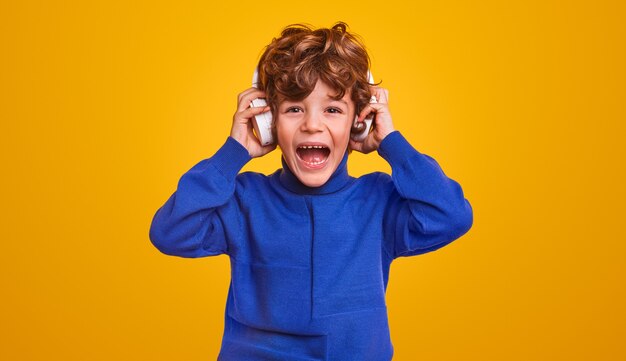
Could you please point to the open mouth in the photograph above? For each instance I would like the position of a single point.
(313, 156)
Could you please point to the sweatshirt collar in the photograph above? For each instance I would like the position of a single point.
(337, 180)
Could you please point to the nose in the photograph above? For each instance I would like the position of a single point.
(312, 122)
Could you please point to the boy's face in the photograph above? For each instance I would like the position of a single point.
(314, 133)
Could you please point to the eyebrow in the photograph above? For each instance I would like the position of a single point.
(339, 100)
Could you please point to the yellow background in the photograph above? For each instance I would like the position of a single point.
(105, 104)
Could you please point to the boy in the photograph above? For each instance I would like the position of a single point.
(310, 246)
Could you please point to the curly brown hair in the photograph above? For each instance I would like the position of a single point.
(292, 64)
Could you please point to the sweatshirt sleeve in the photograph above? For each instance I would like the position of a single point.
(192, 223)
(426, 210)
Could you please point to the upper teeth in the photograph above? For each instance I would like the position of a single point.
(312, 146)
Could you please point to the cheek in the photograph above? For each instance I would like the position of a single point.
(284, 134)
(342, 132)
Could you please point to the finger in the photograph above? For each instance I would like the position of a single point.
(250, 128)
(252, 136)
(247, 113)
(371, 108)
(243, 93)
(252, 111)
(381, 94)
(364, 113)
(248, 96)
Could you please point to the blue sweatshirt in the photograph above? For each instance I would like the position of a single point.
(309, 266)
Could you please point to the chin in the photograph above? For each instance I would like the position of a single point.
(313, 181)
(316, 175)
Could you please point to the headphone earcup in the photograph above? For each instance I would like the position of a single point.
(357, 128)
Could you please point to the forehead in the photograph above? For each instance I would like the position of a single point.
(323, 91)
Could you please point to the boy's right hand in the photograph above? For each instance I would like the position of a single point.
(243, 130)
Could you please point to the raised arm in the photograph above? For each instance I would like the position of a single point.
(192, 222)
(426, 210)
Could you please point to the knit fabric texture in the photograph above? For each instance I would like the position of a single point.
(310, 266)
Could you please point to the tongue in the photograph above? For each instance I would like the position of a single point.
(313, 155)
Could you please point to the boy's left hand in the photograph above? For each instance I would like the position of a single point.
(382, 126)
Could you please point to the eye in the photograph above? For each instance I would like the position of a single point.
(334, 110)
(293, 110)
